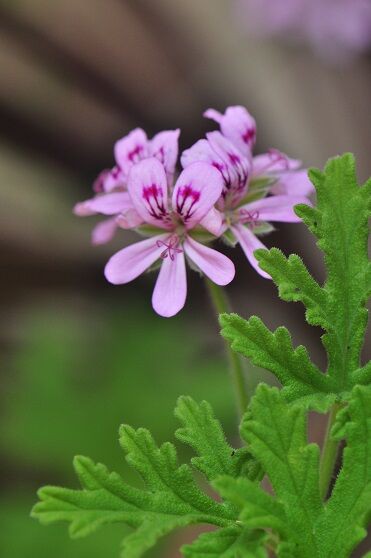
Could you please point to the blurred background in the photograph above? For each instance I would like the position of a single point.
(80, 356)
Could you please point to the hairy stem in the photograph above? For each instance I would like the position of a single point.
(329, 455)
(221, 304)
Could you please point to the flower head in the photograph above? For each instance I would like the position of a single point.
(256, 189)
(172, 215)
(110, 187)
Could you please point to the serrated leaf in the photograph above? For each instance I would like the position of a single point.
(295, 283)
(258, 509)
(274, 351)
(340, 223)
(171, 498)
(203, 432)
(276, 433)
(231, 542)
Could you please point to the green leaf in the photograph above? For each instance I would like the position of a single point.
(274, 351)
(171, 498)
(276, 433)
(340, 224)
(258, 509)
(231, 542)
(205, 435)
(304, 526)
(295, 283)
(342, 526)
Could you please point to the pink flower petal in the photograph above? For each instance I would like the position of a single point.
(164, 146)
(213, 222)
(147, 186)
(132, 261)
(294, 183)
(98, 184)
(201, 151)
(104, 231)
(249, 243)
(83, 209)
(212, 263)
(237, 125)
(130, 149)
(274, 208)
(115, 179)
(196, 191)
(170, 291)
(273, 162)
(130, 219)
(109, 204)
(237, 166)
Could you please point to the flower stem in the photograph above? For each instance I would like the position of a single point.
(221, 304)
(329, 454)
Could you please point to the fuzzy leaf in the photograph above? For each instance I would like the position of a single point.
(276, 433)
(340, 223)
(203, 432)
(171, 498)
(295, 283)
(257, 508)
(274, 351)
(230, 542)
(342, 526)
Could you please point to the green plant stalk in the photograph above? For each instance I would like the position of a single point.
(329, 454)
(221, 305)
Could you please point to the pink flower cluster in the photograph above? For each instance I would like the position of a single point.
(336, 29)
(222, 192)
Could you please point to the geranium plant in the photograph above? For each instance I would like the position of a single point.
(319, 499)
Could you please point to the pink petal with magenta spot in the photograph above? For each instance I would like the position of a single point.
(213, 264)
(147, 186)
(237, 165)
(197, 189)
(164, 146)
(104, 231)
(276, 208)
(132, 261)
(131, 149)
(170, 291)
(237, 125)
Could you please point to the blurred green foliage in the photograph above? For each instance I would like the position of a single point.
(78, 372)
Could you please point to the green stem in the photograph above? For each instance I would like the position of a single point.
(221, 304)
(329, 455)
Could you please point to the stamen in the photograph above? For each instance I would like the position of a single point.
(250, 217)
(171, 247)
